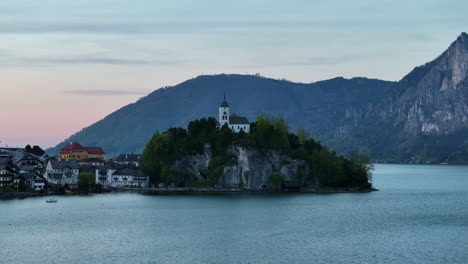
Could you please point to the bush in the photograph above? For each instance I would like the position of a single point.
(276, 179)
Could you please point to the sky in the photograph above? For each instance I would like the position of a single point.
(66, 64)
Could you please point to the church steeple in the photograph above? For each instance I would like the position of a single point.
(224, 102)
(224, 112)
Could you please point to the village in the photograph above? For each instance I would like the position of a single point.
(25, 173)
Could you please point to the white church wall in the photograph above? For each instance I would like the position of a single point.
(238, 128)
(223, 115)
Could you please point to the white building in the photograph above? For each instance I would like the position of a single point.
(121, 176)
(61, 172)
(234, 122)
(128, 159)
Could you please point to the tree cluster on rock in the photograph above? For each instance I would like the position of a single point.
(331, 170)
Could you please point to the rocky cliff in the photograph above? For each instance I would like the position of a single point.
(248, 169)
(423, 117)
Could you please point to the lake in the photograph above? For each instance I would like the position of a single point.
(420, 215)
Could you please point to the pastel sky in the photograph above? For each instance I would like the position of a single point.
(65, 64)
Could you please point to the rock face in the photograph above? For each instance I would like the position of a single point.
(249, 169)
(420, 116)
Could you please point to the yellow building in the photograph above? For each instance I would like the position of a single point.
(76, 151)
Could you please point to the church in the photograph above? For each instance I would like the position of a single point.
(234, 122)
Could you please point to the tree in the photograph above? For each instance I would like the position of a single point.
(328, 168)
(86, 182)
(36, 150)
(276, 179)
(302, 135)
(28, 148)
(361, 168)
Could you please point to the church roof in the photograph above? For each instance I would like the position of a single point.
(224, 103)
(238, 120)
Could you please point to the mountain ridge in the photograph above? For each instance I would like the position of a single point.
(311, 106)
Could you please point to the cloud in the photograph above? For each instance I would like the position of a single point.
(89, 60)
(10, 60)
(169, 26)
(70, 28)
(105, 92)
(311, 61)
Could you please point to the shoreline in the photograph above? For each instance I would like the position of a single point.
(156, 191)
(213, 190)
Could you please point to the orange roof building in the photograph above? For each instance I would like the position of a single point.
(76, 151)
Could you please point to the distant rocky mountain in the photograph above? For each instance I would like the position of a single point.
(318, 107)
(423, 118)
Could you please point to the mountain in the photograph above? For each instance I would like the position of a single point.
(318, 107)
(423, 118)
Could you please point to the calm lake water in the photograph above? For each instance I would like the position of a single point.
(420, 215)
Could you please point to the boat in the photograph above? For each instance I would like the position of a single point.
(51, 200)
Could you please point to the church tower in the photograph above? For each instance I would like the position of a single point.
(224, 112)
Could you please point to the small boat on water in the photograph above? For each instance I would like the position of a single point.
(51, 200)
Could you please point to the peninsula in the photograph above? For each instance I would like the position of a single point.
(233, 154)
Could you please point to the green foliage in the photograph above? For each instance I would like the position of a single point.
(216, 168)
(86, 182)
(360, 169)
(324, 165)
(328, 168)
(276, 179)
(302, 135)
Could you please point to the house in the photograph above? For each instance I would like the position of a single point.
(29, 160)
(76, 151)
(90, 162)
(34, 181)
(130, 177)
(20, 169)
(234, 122)
(7, 174)
(62, 172)
(116, 176)
(128, 159)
